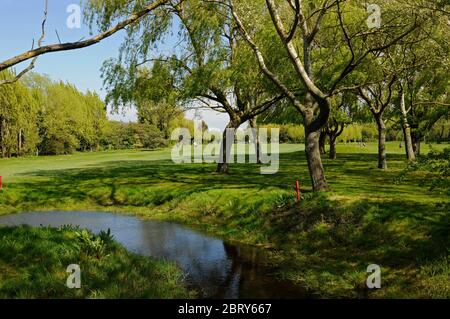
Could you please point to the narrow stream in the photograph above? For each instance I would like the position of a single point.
(215, 268)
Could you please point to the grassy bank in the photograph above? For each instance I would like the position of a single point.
(326, 242)
(33, 264)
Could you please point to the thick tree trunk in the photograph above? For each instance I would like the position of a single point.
(322, 141)
(332, 148)
(416, 143)
(312, 150)
(254, 128)
(406, 130)
(315, 166)
(410, 156)
(382, 161)
(333, 132)
(225, 149)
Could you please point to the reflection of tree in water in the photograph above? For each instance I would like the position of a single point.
(217, 269)
(203, 259)
(249, 276)
(243, 272)
(221, 270)
(231, 285)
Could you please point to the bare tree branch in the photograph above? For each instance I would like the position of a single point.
(33, 61)
(81, 44)
(262, 62)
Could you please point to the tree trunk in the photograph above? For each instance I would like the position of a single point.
(322, 141)
(312, 150)
(382, 161)
(225, 149)
(416, 143)
(254, 128)
(410, 155)
(19, 143)
(441, 135)
(333, 148)
(406, 130)
(2, 137)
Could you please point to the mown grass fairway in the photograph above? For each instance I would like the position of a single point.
(326, 242)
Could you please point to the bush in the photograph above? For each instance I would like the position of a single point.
(437, 166)
(59, 145)
(369, 132)
(133, 136)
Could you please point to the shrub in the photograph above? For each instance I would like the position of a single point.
(437, 166)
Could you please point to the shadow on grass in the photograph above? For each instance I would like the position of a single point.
(341, 241)
(152, 183)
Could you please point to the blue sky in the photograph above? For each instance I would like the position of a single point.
(20, 23)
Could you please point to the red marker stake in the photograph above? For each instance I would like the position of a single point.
(1, 183)
(299, 194)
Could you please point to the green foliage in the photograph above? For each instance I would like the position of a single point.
(367, 132)
(437, 165)
(38, 116)
(19, 114)
(91, 244)
(289, 133)
(71, 120)
(121, 135)
(352, 133)
(440, 132)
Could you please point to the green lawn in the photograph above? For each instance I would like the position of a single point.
(326, 242)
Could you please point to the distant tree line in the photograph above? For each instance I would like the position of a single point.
(361, 132)
(41, 117)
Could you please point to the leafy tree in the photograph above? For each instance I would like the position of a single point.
(378, 98)
(212, 69)
(328, 45)
(18, 119)
(152, 92)
(68, 120)
(437, 166)
(121, 135)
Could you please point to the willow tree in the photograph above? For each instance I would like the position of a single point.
(327, 42)
(211, 67)
(427, 102)
(335, 126)
(378, 98)
(425, 87)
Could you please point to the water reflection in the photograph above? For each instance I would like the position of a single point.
(215, 268)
